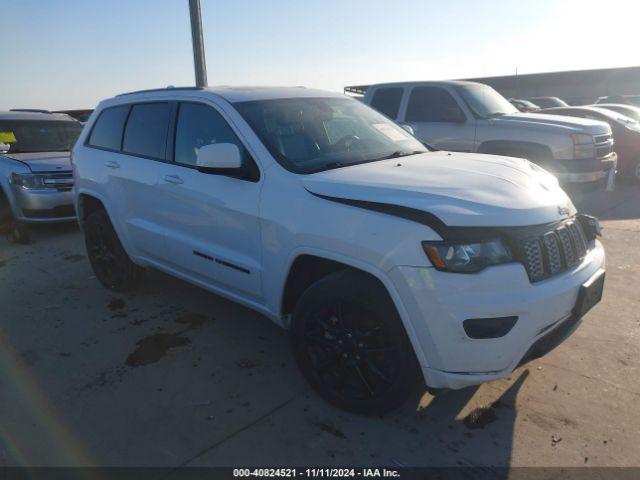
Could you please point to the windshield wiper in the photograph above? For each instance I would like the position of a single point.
(332, 165)
(397, 154)
(328, 166)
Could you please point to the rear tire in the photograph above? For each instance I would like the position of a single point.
(111, 264)
(351, 346)
(6, 217)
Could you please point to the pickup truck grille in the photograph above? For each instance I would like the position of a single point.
(553, 251)
(604, 145)
(62, 181)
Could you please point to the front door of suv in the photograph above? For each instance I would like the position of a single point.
(211, 220)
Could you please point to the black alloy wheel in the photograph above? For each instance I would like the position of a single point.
(111, 264)
(351, 346)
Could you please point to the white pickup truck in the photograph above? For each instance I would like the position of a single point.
(472, 117)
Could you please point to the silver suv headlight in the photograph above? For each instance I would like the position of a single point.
(30, 181)
(466, 257)
(583, 146)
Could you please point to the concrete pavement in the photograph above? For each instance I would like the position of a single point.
(172, 375)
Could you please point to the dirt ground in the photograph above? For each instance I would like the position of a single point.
(172, 375)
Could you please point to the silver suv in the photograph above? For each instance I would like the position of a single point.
(35, 170)
(472, 117)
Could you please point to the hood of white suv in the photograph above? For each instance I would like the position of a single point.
(461, 189)
(573, 124)
(44, 161)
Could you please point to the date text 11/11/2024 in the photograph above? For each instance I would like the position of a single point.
(316, 472)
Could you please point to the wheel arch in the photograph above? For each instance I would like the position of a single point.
(517, 148)
(312, 265)
(87, 201)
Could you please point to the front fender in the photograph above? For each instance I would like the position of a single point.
(381, 275)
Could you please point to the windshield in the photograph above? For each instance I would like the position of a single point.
(628, 111)
(523, 103)
(612, 115)
(308, 135)
(632, 100)
(24, 136)
(484, 101)
(628, 122)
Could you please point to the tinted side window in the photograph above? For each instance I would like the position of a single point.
(432, 104)
(107, 131)
(146, 130)
(200, 125)
(387, 101)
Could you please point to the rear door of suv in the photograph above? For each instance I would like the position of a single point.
(130, 141)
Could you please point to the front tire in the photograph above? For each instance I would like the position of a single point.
(111, 264)
(351, 346)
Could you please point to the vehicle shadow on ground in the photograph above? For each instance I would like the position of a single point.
(480, 436)
(469, 427)
(39, 230)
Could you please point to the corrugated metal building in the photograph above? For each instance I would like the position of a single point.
(576, 87)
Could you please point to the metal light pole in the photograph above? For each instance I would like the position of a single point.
(198, 43)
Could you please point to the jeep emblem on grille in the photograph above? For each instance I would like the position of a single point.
(563, 211)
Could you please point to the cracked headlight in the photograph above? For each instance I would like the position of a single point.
(466, 257)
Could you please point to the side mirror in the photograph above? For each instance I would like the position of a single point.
(218, 156)
(407, 128)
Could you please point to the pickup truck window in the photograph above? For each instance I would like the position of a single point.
(387, 101)
(432, 104)
(40, 136)
(307, 135)
(484, 101)
(146, 130)
(107, 131)
(199, 125)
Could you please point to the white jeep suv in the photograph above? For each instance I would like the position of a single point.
(383, 258)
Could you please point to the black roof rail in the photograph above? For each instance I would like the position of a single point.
(356, 89)
(159, 90)
(33, 110)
